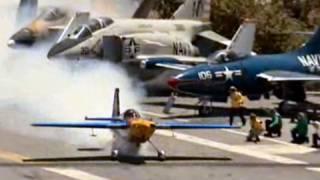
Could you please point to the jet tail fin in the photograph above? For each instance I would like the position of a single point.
(194, 10)
(144, 9)
(243, 40)
(27, 10)
(313, 45)
(116, 104)
(77, 19)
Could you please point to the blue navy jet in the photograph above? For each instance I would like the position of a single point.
(283, 74)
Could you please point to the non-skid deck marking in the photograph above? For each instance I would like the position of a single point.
(68, 172)
(230, 148)
(299, 149)
(237, 149)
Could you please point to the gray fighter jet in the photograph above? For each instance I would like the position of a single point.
(124, 39)
(54, 19)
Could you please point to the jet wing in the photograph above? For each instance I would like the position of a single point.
(78, 18)
(182, 59)
(180, 67)
(194, 126)
(282, 76)
(96, 125)
(56, 28)
(175, 62)
(215, 37)
(243, 40)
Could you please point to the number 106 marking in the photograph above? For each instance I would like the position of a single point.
(204, 75)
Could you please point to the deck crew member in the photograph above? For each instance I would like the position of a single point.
(256, 128)
(274, 125)
(300, 132)
(237, 105)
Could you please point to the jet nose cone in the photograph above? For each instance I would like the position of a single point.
(23, 37)
(11, 43)
(61, 47)
(173, 82)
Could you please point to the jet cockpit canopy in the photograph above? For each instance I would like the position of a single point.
(53, 14)
(86, 30)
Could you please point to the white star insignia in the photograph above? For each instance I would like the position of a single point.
(228, 74)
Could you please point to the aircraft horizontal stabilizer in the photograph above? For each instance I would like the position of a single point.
(282, 76)
(194, 126)
(215, 37)
(102, 119)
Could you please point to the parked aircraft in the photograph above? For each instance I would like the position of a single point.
(54, 19)
(282, 74)
(125, 39)
(241, 45)
(130, 129)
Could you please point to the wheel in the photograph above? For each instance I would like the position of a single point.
(161, 155)
(114, 154)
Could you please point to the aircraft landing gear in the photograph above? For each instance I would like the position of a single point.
(114, 154)
(161, 153)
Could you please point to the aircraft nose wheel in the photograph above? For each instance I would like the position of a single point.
(161, 155)
(114, 154)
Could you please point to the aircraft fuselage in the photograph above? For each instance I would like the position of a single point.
(178, 32)
(215, 80)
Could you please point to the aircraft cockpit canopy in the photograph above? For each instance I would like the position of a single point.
(92, 26)
(53, 14)
(131, 114)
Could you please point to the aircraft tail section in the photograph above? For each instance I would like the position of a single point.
(144, 9)
(243, 40)
(313, 45)
(116, 104)
(27, 10)
(194, 10)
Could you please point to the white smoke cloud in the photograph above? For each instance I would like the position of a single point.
(56, 90)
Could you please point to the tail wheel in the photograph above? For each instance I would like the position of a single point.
(161, 155)
(114, 154)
